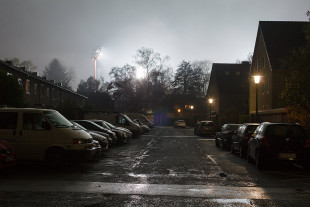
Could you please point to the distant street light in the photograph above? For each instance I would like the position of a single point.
(96, 55)
(179, 110)
(256, 81)
(210, 101)
(192, 107)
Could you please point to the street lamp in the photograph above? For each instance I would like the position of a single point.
(95, 57)
(210, 101)
(256, 81)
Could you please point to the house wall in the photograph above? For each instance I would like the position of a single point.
(41, 92)
(261, 66)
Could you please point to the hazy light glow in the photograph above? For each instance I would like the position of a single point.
(257, 79)
(210, 100)
(140, 72)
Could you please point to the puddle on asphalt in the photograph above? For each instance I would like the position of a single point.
(227, 201)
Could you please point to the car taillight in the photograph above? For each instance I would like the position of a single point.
(265, 141)
(307, 142)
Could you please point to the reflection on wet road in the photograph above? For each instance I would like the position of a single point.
(168, 167)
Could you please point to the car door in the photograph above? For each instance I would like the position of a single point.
(8, 128)
(34, 137)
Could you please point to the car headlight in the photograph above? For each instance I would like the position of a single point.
(82, 141)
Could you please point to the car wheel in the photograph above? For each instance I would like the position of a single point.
(56, 158)
(242, 152)
(232, 150)
(259, 161)
(216, 143)
(248, 156)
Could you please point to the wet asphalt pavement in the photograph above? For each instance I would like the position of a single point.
(168, 167)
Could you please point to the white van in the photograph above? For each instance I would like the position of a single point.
(44, 134)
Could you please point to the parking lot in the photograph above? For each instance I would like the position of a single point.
(167, 167)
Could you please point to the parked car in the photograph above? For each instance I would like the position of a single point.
(144, 127)
(121, 136)
(239, 141)
(44, 135)
(205, 128)
(279, 141)
(142, 118)
(95, 127)
(7, 156)
(102, 139)
(223, 137)
(180, 123)
(128, 133)
(121, 120)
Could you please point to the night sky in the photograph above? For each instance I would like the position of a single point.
(221, 31)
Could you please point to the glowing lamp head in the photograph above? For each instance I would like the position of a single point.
(257, 79)
(192, 107)
(210, 100)
(179, 110)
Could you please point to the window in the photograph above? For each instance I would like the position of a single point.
(267, 86)
(35, 89)
(238, 73)
(8, 120)
(227, 73)
(20, 81)
(27, 87)
(34, 121)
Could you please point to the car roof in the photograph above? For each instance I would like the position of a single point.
(9, 109)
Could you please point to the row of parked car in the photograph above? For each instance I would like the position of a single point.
(266, 143)
(46, 135)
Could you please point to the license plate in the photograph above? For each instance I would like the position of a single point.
(9, 158)
(287, 156)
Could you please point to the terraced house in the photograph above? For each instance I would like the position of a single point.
(275, 41)
(40, 92)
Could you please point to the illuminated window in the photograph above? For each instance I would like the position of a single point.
(27, 87)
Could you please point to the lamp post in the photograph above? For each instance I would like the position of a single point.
(256, 81)
(95, 57)
(210, 101)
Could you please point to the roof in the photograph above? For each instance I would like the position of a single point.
(41, 79)
(231, 77)
(281, 38)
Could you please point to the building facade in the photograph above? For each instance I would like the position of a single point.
(40, 92)
(274, 42)
(229, 89)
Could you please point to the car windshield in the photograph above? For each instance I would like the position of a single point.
(79, 126)
(292, 131)
(103, 124)
(207, 124)
(110, 125)
(231, 127)
(57, 119)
